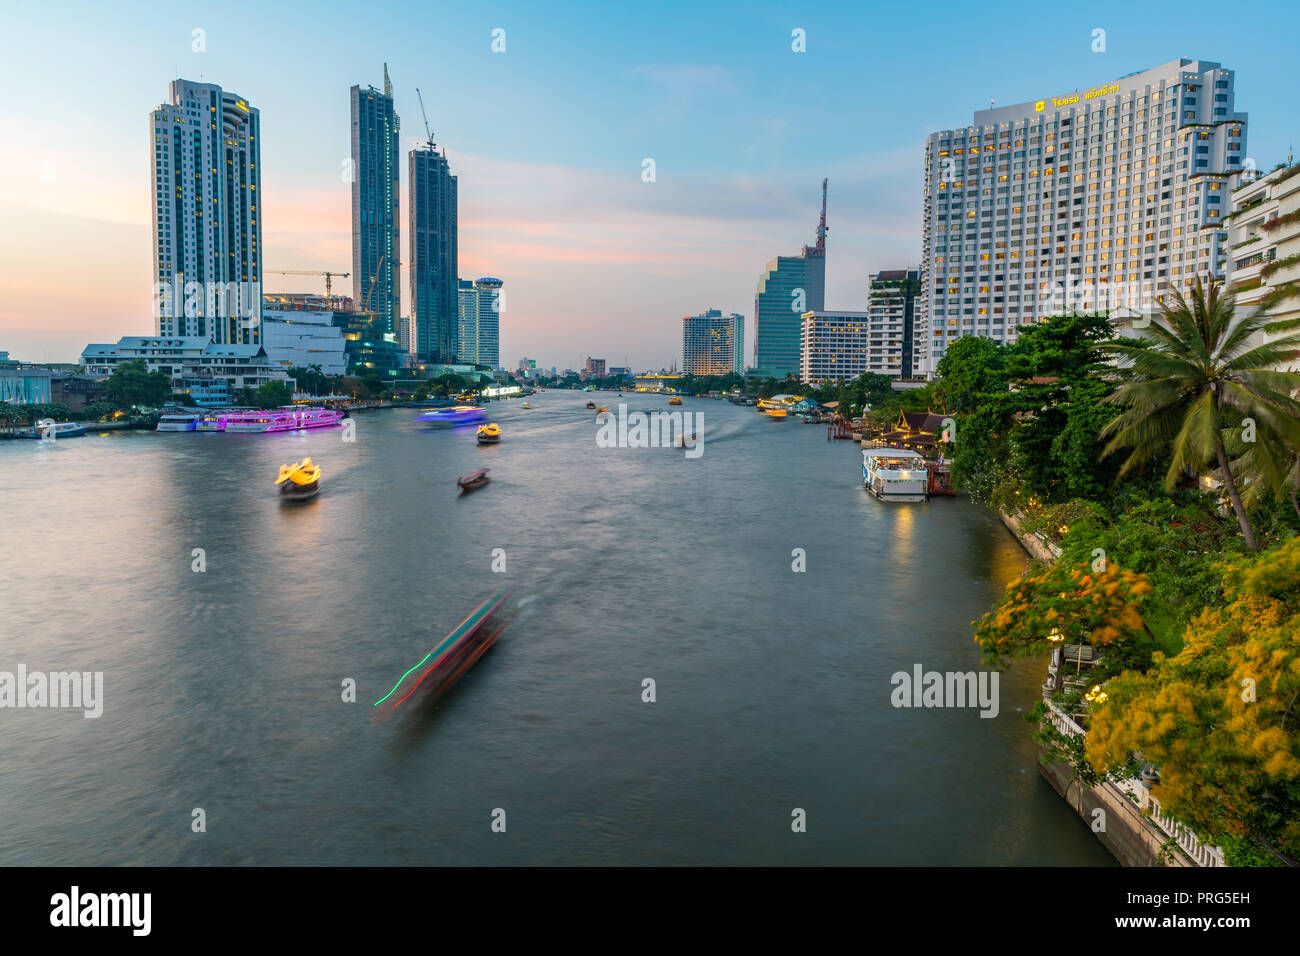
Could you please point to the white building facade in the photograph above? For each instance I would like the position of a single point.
(294, 338)
(480, 305)
(1264, 241)
(1094, 199)
(192, 362)
(833, 346)
(207, 222)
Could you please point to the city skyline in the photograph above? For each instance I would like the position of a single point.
(724, 115)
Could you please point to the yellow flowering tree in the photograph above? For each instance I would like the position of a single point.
(1221, 719)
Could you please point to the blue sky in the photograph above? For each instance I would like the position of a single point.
(548, 139)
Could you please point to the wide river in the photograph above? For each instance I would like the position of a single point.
(224, 688)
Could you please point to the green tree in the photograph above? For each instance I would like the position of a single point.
(132, 384)
(971, 368)
(274, 394)
(1196, 377)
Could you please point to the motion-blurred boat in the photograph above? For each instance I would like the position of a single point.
(489, 434)
(299, 481)
(455, 415)
(675, 400)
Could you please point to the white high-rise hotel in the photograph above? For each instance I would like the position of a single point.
(207, 223)
(1094, 199)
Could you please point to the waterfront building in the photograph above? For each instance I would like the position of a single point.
(432, 333)
(713, 343)
(1264, 243)
(207, 220)
(376, 227)
(832, 346)
(480, 314)
(891, 322)
(301, 338)
(25, 386)
(1094, 199)
(189, 361)
(788, 287)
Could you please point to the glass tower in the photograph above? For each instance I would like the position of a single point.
(376, 227)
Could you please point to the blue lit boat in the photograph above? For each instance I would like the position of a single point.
(455, 415)
(438, 670)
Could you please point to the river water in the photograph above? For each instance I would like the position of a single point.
(223, 688)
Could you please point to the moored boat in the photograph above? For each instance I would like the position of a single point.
(474, 482)
(895, 474)
(282, 420)
(489, 434)
(178, 422)
(299, 481)
(50, 431)
(776, 414)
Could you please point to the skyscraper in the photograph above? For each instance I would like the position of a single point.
(434, 327)
(207, 224)
(713, 343)
(788, 287)
(480, 326)
(376, 229)
(1095, 199)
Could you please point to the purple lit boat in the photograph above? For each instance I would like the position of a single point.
(455, 415)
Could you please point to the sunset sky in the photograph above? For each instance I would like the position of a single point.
(548, 140)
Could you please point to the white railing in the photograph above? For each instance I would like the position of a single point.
(1197, 852)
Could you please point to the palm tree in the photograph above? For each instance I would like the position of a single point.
(1198, 382)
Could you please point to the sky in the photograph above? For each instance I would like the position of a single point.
(549, 138)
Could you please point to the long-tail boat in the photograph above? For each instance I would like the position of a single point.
(449, 660)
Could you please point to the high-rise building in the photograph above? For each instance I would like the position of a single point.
(433, 332)
(1094, 199)
(713, 343)
(376, 227)
(788, 287)
(1265, 246)
(594, 368)
(207, 222)
(891, 321)
(832, 346)
(480, 315)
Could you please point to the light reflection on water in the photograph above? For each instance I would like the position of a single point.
(223, 688)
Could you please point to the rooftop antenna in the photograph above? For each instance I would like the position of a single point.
(388, 84)
(426, 119)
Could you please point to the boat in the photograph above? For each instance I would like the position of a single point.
(54, 430)
(525, 405)
(776, 414)
(675, 400)
(474, 482)
(212, 422)
(282, 420)
(940, 477)
(178, 422)
(603, 410)
(454, 415)
(591, 404)
(299, 481)
(489, 434)
(449, 660)
(895, 474)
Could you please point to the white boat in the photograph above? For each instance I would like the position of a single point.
(178, 422)
(895, 474)
(54, 430)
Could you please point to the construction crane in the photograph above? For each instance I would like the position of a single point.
(425, 116)
(298, 272)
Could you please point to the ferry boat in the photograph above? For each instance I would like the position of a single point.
(895, 474)
(282, 420)
(591, 404)
(675, 400)
(299, 481)
(449, 660)
(212, 422)
(603, 410)
(489, 434)
(455, 415)
(178, 422)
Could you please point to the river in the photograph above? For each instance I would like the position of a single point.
(223, 688)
